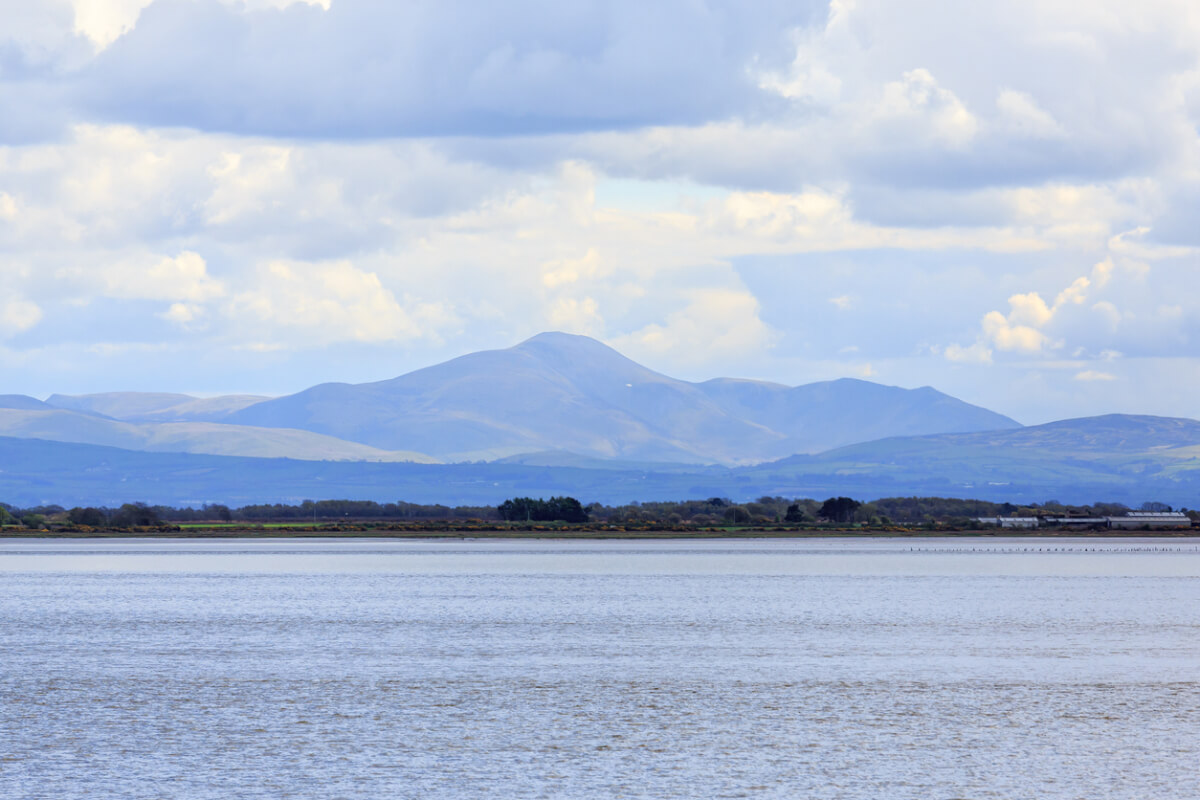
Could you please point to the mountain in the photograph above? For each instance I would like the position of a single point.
(1117, 456)
(154, 406)
(819, 416)
(38, 472)
(23, 402)
(60, 425)
(559, 392)
(1125, 459)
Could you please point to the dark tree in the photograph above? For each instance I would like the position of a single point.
(839, 509)
(219, 511)
(135, 515)
(92, 517)
(794, 513)
(737, 515)
(568, 509)
(526, 509)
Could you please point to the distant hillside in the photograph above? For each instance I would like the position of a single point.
(819, 416)
(22, 402)
(155, 406)
(558, 392)
(1112, 457)
(60, 425)
(1116, 458)
(34, 472)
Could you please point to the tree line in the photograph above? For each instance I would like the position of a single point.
(710, 512)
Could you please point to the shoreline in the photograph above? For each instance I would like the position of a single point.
(586, 535)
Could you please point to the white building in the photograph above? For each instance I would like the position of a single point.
(1010, 522)
(1151, 519)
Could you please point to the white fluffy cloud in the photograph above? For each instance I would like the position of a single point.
(714, 326)
(319, 303)
(17, 314)
(183, 277)
(1029, 328)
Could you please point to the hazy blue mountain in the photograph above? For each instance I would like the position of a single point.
(559, 392)
(1116, 456)
(1119, 458)
(35, 472)
(60, 425)
(155, 406)
(23, 402)
(819, 416)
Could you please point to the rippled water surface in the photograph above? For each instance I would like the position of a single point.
(805, 668)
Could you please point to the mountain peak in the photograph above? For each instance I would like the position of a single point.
(563, 391)
(567, 344)
(557, 337)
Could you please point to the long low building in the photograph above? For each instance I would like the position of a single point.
(1009, 522)
(1151, 519)
(1134, 520)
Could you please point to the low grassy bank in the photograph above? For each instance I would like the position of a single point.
(292, 530)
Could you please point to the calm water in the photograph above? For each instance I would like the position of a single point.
(811, 669)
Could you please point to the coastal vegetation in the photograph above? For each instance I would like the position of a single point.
(714, 514)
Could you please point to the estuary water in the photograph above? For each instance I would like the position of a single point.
(901, 668)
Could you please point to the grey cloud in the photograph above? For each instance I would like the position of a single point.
(375, 68)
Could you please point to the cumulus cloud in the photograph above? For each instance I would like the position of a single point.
(918, 101)
(1022, 329)
(322, 303)
(978, 353)
(183, 277)
(715, 324)
(183, 314)
(564, 272)
(18, 314)
(576, 315)
(1025, 329)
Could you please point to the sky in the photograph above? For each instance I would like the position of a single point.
(998, 199)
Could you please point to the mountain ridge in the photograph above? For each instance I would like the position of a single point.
(559, 391)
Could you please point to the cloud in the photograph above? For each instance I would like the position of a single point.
(1093, 375)
(17, 315)
(1004, 334)
(1021, 114)
(102, 21)
(184, 278)
(917, 100)
(1023, 329)
(714, 325)
(576, 316)
(977, 353)
(842, 302)
(377, 68)
(296, 303)
(569, 271)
